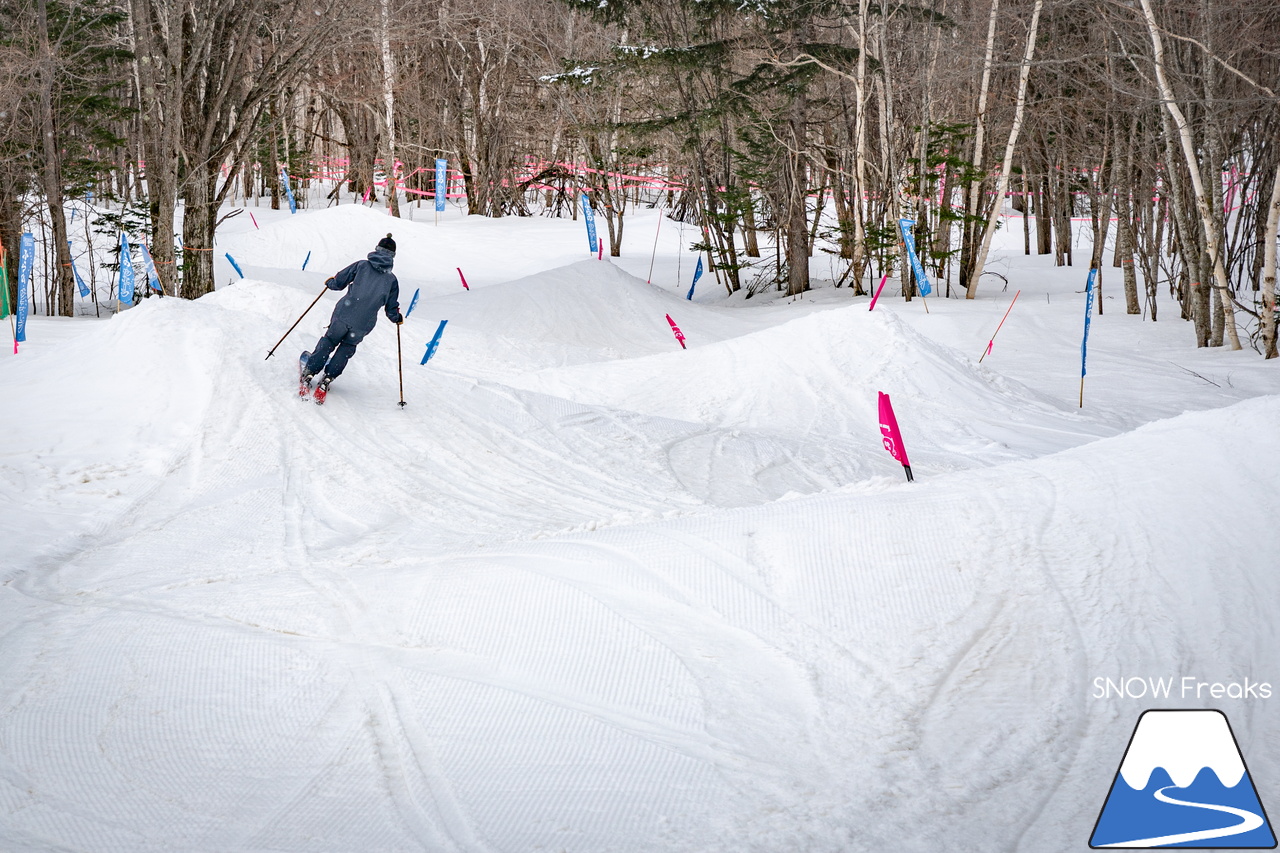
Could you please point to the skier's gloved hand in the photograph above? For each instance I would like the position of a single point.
(396, 318)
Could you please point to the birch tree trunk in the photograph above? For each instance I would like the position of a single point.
(859, 260)
(1269, 271)
(1125, 242)
(389, 108)
(1212, 239)
(973, 196)
(51, 172)
(158, 61)
(1002, 185)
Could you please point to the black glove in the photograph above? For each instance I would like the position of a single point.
(396, 318)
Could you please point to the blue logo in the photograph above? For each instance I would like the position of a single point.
(1183, 783)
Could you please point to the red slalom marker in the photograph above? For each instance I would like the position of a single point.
(891, 436)
(676, 331)
(878, 289)
(463, 277)
(991, 343)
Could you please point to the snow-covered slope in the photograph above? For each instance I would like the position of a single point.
(592, 592)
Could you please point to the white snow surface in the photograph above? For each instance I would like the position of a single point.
(592, 592)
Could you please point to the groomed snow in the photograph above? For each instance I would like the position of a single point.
(592, 592)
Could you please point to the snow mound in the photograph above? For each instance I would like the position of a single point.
(427, 255)
(583, 313)
(817, 377)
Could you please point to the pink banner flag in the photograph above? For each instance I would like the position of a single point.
(255, 222)
(891, 436)
(878, 289)
(463, 277)
(675, 330)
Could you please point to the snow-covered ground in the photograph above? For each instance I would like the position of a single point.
(592, 592)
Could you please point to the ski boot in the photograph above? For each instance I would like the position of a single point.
(304, 385)
(322, 390)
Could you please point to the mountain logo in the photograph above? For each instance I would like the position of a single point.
(1183, 783)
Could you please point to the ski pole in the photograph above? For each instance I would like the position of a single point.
(400, 365)
(295, 323)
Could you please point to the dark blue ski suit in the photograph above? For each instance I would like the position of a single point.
(370, 285)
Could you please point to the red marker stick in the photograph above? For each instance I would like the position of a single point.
(878, 289)
(891, 436)
(676, 331)
(991, 343)
(463, 277)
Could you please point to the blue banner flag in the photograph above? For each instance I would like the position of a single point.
(306, 260)
(234, 264)
(697, 274)
(589, 215)
(922, 280)
(84, 288)
(1088, 314)
(435, 342)
(442, 183)
(412, 302)
(124, 288)
(26, 258)
(288, 191)
(150, 266)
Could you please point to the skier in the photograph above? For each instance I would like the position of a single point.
(370, 285)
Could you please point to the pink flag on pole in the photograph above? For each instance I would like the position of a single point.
(891, 436)
(878, 289)
(463, 277)
(676, 331)
(255, 222)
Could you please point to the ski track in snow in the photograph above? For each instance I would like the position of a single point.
(586, 592)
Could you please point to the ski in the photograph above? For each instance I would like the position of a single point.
(304, 381)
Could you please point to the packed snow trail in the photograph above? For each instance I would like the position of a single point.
(557, 603)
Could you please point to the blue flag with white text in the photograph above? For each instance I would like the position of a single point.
(1088, 314)
(589, 215)
(697, 274)
(909, 238)
(288, 191)
(442, 183)
(84, 288)
(26, 258)
(435, 342)
(150, 266)
(124, 289)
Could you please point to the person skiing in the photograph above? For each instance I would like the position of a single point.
(370, 285)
